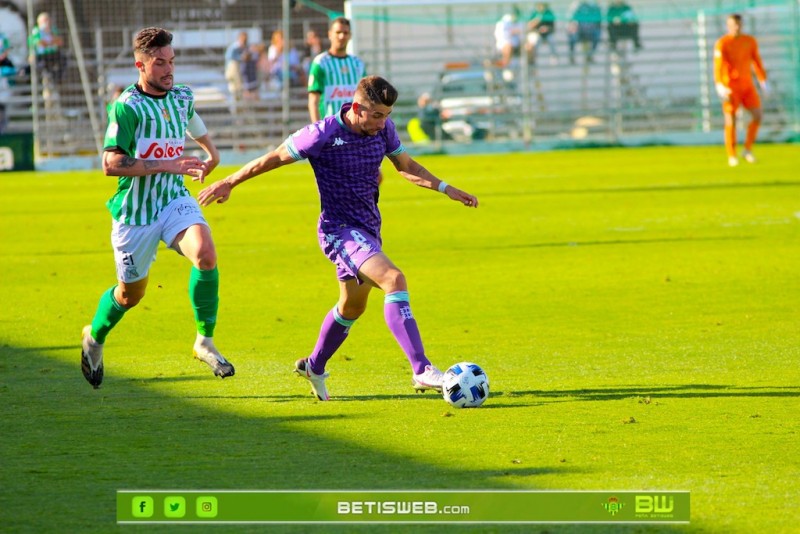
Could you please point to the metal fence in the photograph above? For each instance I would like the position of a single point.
(661, 93)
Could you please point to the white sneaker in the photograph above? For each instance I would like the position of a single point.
(205, 351)
(748, 156)
(91, 358)
(302, 368)
(733, 161)
(431, 378)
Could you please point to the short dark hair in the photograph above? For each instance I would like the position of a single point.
(148, 40)
(736, 16)
(340, 20)
(377, 90)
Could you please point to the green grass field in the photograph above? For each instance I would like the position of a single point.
(636, 311)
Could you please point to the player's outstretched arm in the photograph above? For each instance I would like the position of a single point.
(118, 163)
(419, 175)
(220, 191)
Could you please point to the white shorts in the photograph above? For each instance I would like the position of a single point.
(135, 246)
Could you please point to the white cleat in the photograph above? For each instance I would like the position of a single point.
(302, 368)
(748, 156)
(206, 352)
(91, 358)
(733, 161)
(431, 378)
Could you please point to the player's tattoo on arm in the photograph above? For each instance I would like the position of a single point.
(150, 164)
(127, 162)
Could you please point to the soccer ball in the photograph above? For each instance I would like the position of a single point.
(465, 385)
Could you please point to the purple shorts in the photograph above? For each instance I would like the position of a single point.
(348, 248)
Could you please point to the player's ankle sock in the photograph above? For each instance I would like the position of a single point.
(397, 312)
(204, 294)
(108, 314)
(332, 334)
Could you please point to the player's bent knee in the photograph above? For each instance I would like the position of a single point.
(394, 280)
(352, 312)
(207, 259)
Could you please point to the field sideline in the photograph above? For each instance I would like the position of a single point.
(635, 310)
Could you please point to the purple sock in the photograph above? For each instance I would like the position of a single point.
(331, 336)
(401, 322)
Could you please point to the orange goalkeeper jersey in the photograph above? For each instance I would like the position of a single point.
(734, 59)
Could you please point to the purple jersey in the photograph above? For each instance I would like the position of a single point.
(346, 166)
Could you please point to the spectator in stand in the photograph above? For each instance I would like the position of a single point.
(622, 25)
(5, 61)
(508, 36)
(275, 57)
(540, 28)
(585, 19)
(233, 71)
(248, 69)
(313, 47)
(45, 44)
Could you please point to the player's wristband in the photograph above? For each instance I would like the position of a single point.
(442, 186)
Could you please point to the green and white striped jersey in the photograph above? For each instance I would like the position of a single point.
(336, 79)
(151, 128)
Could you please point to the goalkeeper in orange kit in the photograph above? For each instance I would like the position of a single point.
(735, 58)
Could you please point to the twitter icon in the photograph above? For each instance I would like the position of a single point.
(174, 507)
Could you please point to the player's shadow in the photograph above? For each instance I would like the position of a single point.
(73, 447)
(684, 391)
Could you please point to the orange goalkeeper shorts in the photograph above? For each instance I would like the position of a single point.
(745, 96)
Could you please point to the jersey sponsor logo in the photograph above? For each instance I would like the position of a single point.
(340, 92)
(159, 148)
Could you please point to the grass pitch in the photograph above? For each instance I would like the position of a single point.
(635, 310)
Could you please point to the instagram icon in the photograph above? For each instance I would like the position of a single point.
(206, 507)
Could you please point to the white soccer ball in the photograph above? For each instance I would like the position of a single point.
(465, 385)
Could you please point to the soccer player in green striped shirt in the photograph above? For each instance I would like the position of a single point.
(333, 75)
(144, 147)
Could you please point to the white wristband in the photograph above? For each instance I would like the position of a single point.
(442, 186)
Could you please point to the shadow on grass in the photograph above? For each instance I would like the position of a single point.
(612, 242)
(667, 188)
(687, 391)
(69, 448)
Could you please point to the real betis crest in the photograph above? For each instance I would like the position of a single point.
(344, 69)
(613, 506)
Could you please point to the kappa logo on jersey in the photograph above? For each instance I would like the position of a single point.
(339, 142)
(159, 148)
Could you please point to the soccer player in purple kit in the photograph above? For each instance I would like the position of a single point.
(345, 150)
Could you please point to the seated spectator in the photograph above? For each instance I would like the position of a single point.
(275, 57)
(585, 19)
(45, 44)
(508, 36)
(541, 27)
(622, 25)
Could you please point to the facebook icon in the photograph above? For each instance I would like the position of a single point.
(142, 506)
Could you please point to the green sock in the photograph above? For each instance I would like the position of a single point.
(108, 314)
(204, 294)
